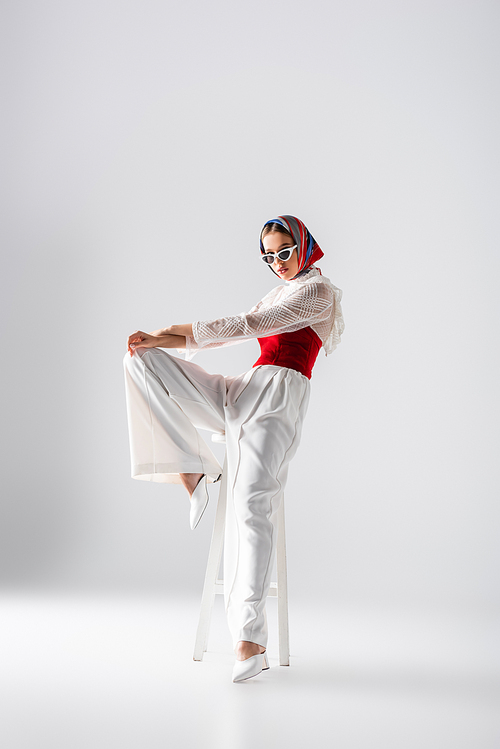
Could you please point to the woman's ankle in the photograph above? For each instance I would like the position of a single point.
(246, 649)
(190, 481)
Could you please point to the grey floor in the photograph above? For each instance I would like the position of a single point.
(103, 672)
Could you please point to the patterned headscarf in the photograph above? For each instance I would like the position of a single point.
(308, 250)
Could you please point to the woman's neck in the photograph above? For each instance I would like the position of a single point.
(303, 272)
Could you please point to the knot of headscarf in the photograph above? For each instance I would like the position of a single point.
(308, 250)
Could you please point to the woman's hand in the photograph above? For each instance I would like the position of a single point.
(147, 340)
(172, 337)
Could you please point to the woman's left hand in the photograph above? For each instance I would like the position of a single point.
(141, 339)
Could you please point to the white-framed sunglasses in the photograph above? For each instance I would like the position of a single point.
(283, 255)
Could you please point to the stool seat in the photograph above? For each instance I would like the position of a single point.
(214, 585)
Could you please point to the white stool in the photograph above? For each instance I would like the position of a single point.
(214, 585)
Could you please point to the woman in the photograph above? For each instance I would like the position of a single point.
(260, 411)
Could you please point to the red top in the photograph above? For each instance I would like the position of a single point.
(297, 350)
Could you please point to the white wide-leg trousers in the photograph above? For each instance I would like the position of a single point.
(261, 412)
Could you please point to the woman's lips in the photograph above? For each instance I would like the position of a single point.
(282, 270)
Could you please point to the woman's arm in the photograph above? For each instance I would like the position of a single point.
(186, 329)
(311, 303)
(160, 338)
(181, 338)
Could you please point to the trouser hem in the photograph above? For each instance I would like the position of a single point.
(168, 473)
(249, 636)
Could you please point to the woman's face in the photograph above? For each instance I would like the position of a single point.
(276, 241)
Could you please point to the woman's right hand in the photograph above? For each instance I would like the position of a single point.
(139, 338)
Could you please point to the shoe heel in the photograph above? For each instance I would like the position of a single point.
(199, 502)
(266, 661)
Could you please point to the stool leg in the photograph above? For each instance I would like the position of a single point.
(213, 566)
(284, 644)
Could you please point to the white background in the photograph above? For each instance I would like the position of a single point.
(145, 144)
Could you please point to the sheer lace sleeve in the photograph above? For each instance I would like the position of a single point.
(310, 303)
(192, 346)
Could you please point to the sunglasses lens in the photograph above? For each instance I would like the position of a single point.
(283, 255)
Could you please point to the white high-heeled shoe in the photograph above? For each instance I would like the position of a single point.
(199, 502)
(250, 667)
